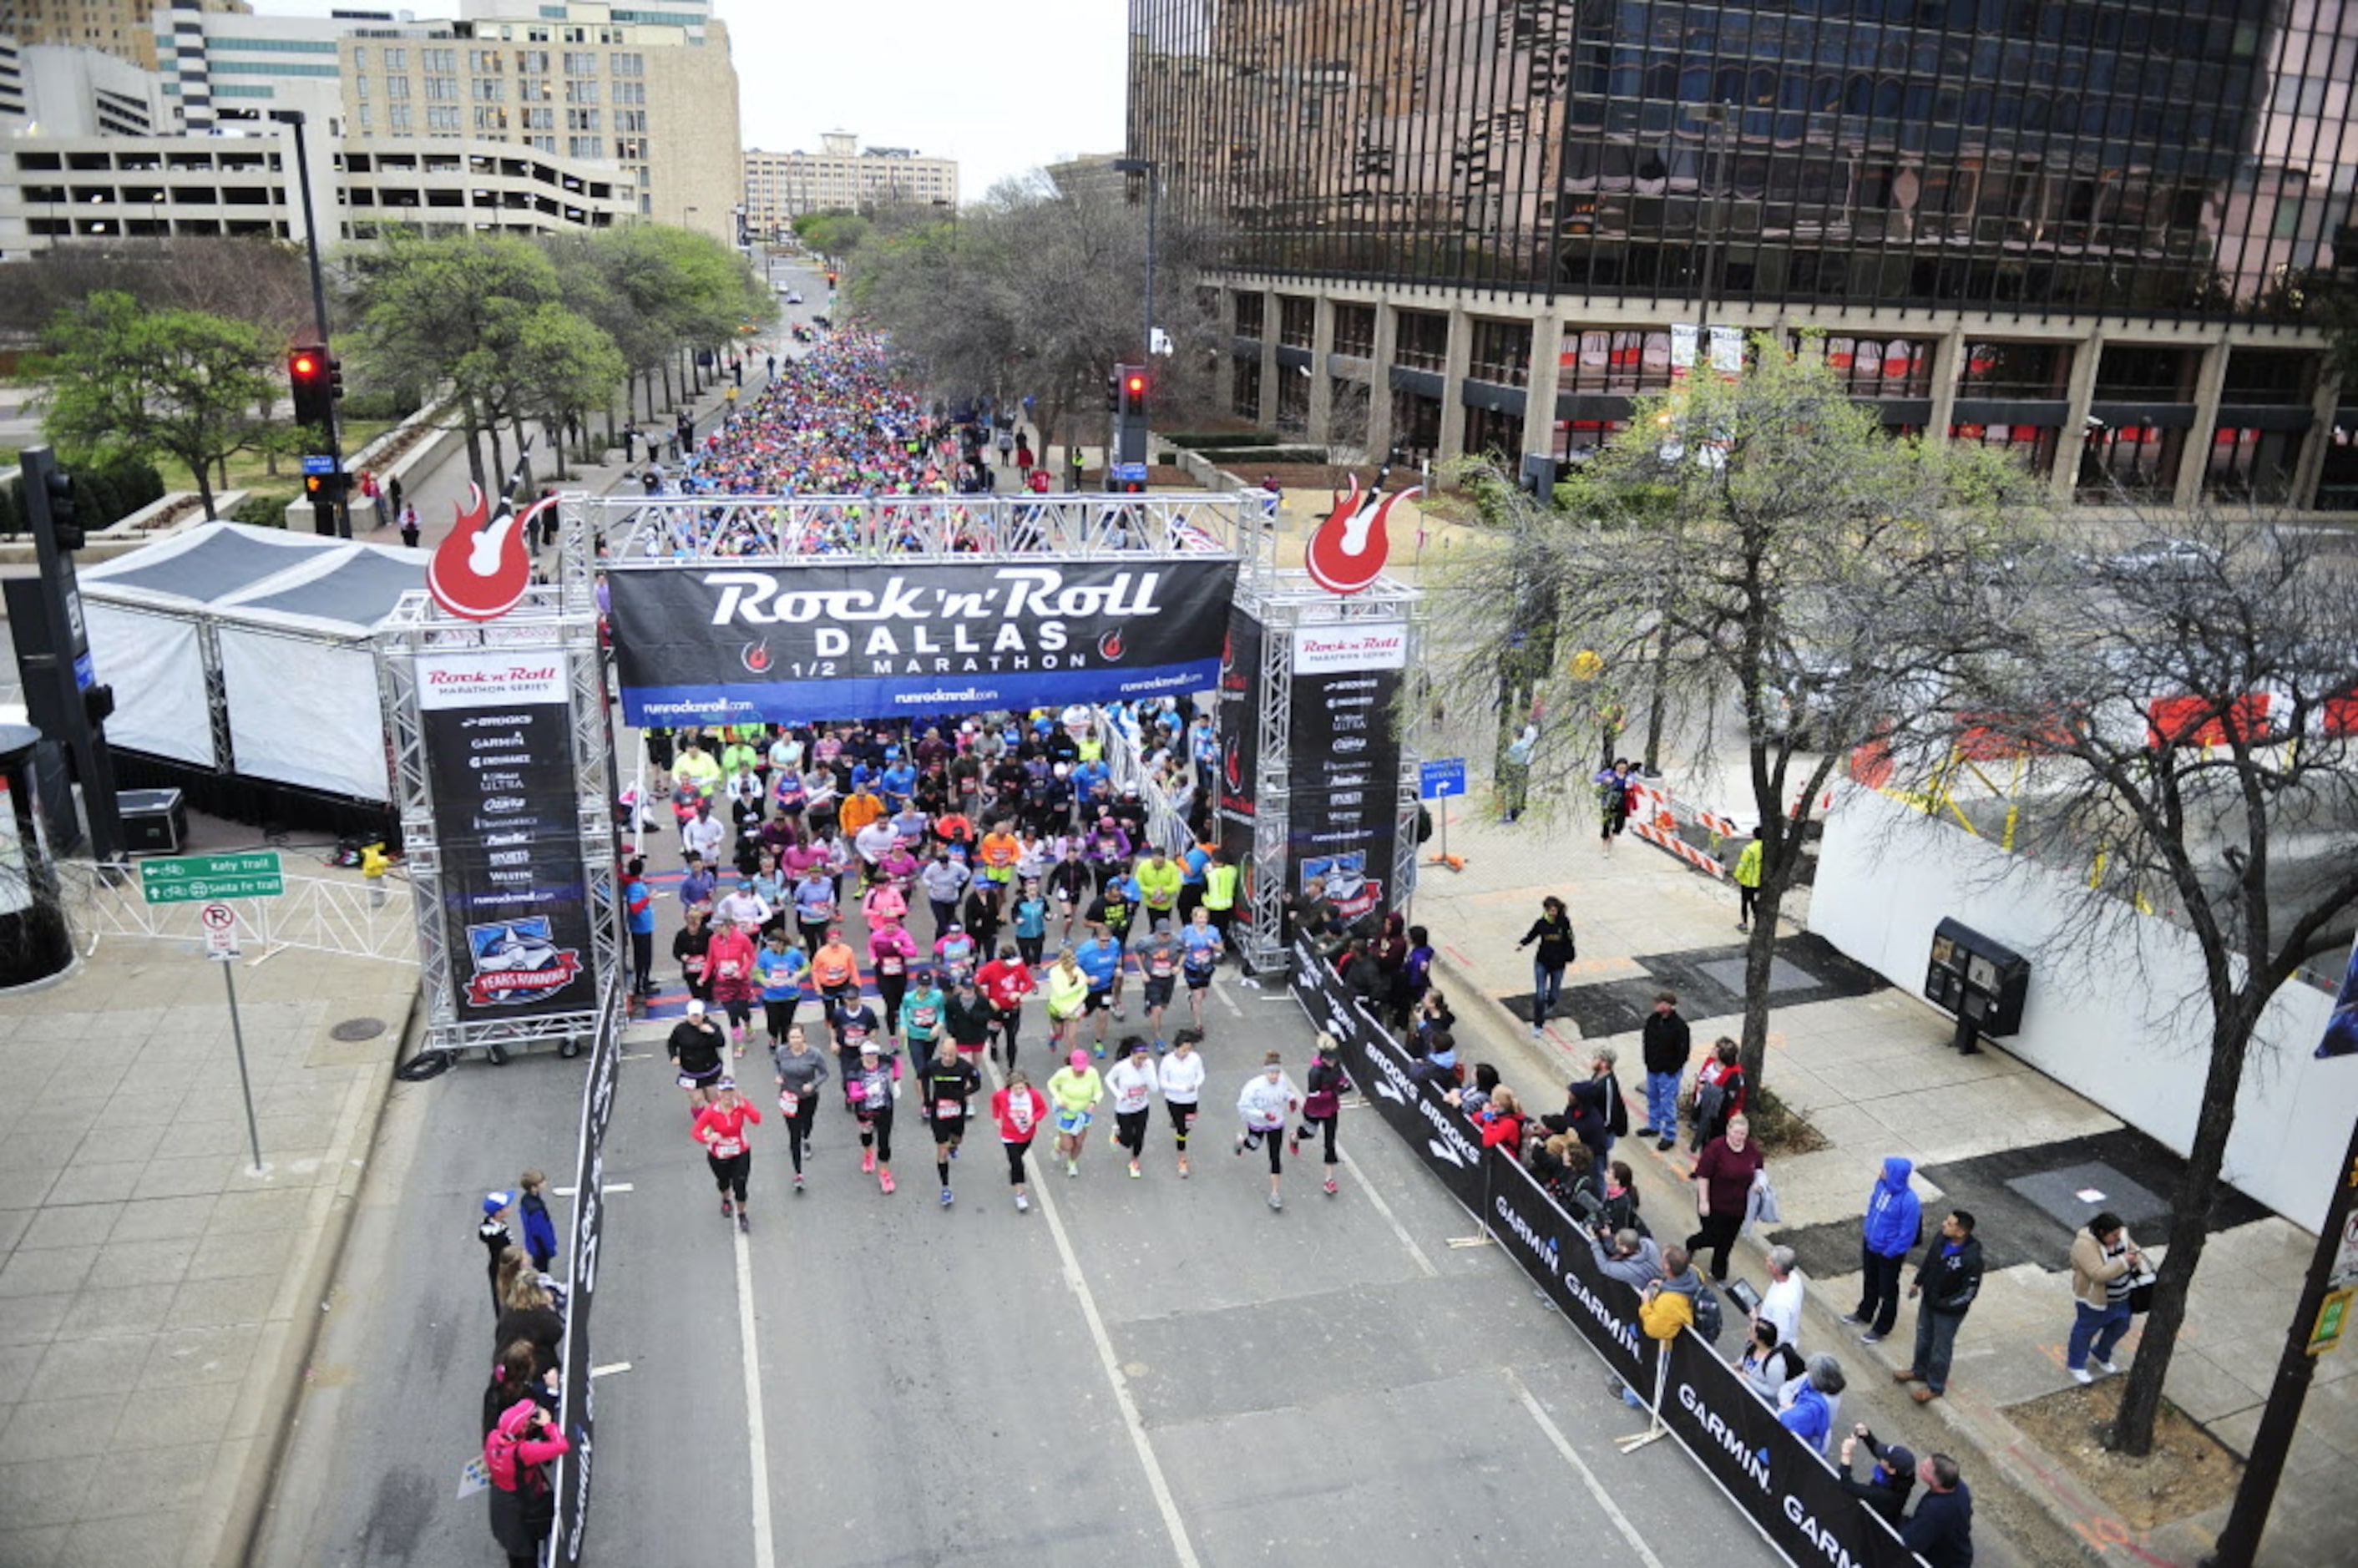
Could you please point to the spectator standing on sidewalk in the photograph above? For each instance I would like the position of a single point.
(1719, 1091)
(1895, 1223)
(2104, 1264)
(1515, 773)
(495, 1237)
(1813, 1402)
(1747, 881)
(1553, 932)
(1942, 1532)
(1668, 1046)
(1947, 1281)
(1723, 1180)
(1780, 1303)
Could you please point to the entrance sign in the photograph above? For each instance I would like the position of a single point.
(202, 878)
(499, 734)
(891, 639)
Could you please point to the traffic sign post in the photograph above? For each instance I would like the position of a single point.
(1443, 779)
(206, 878)
(219, 921)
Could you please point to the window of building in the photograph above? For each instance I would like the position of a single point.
(1355, 331)
(582, 92)
(1494, 434)
(534, 90)
(1423, 341)
(2257, 466)
(630, 119)
(582, 147)
(539, 119)
(396, 59)
(1297, 320)
(443, 89)
(489, 90)
(1501, 353)
(2015, 369)
(581, 120)
(397, 87)
(1250, 322)
(580, 63)
(2032, 445)
(367, 120)
(531, 63)
(1623, 361)
(397, 119)
(2269, 375)
(446, 61)
(2129, 463)
(490, 119)
(1872, 367)
(441, 117)
(626, 64)
(361, 88)
(1246, 404)
(2146, 374)
(630, 92)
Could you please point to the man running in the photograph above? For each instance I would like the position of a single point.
(1100, 959)
(949, 1086)
(1158, 961)
(1202, 946)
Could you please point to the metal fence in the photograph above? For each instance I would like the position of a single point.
(315, 914)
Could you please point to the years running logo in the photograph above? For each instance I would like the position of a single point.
(517, 962)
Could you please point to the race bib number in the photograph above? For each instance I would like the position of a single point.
(789, 1101)
(727, 1148)
(1019, 1114)
(728, 969)
(687, 1082)
(1159, 965)
(950, 1109)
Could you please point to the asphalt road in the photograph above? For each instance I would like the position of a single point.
(1137, 1372)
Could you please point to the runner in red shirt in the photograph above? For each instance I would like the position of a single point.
(721, 1127)
(1019, 1109)
(1006, 980)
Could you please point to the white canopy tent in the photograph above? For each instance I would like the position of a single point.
(247, 651)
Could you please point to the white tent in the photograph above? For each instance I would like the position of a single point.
(247, 651)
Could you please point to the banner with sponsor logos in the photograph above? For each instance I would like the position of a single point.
(1790, 1495)
(578, 1400)
(1346, 761)
(883, 639)
(1240, 702)
(498, 728)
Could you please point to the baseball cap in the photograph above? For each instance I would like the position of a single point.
(1898, 1459)
(870, 1047)
(726, 1082)
(694, 1008)
(1079, 1058)
(495, 1201)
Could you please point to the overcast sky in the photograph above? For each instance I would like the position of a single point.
(1001, 89)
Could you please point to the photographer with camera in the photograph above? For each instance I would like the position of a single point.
(1627, 1255)
(524, 1441)
(1888, 1485)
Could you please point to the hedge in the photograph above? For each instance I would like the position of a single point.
(102, 496)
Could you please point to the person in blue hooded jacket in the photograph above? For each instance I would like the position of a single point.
(1895, 1223)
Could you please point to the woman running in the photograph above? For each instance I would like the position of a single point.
(1032, 922)
(801, 1070)
(1322, 1108)
(721, 1127)
(1132, 1080)
(1069, 998)
(1006, 980)
(1181, 1076)
(947, 1086)
(890, 949)
(778, 969)
(729, 963)
(1267, 1102)
(1076, 1088)
(1020, 1110)
(875, 1085)
(689, 944)
(696, 1047)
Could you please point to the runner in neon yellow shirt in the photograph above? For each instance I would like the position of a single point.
(1159, 878)
(1073, 1089)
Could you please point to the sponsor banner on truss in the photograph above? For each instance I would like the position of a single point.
(709, 642)
(1346, 760)
(1241, 704)
(498, 728)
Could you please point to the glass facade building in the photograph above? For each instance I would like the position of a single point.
(2005, 214)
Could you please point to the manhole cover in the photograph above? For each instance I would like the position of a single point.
(357, 1029)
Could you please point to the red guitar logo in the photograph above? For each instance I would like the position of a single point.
(482, 570)
(1349, 551)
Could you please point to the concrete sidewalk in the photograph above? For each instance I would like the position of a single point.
(1871, 1069)
(158, 1296)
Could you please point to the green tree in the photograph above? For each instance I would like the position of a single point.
(1756, 544)
(126, 381)
(566, 366)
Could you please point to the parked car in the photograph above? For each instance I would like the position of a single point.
(2177, 556)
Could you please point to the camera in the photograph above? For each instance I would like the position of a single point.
(1586, 1205)
(1745, 1297)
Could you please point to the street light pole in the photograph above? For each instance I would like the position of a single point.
(333, 517)
(1145, 167)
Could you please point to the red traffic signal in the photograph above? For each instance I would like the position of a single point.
(1136, 385)
(309, 376)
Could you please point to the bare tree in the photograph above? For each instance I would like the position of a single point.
(1756, 541)
(2196, 716)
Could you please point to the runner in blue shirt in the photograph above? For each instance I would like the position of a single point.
(779, 969)
(1202, 944)
(1032, 923)
(1100, 959)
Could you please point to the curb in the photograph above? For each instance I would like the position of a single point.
(243, 1516)
(2043, 1513)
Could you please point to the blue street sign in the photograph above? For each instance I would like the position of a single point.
(1130, 471)
(1441, 778)
(318, 464)
(85, 673)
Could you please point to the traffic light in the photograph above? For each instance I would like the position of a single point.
(310, 373)
(59, 487)
(831, 280)
(1113, 395)
(326, 489)
(1133, 391)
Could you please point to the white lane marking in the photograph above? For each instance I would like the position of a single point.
(1183, 1549)
(1227, 1001)
(610, 1367)
(757, 1438)
(1588, 1477)
(611, 1188)
(1360, 1183)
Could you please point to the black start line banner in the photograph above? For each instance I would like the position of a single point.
(718, 643)
(498, 729)
(578, 1402)
(1790, 1495)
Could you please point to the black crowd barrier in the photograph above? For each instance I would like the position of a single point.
(578, 1406)
(1789, 1493)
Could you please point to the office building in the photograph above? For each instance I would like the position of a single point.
(67, 89)
(651, 91)
(119, 28)
(2077, 229)
(843, 176)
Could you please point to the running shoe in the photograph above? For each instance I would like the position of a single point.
(1275, 1202)
(954, 1148)
(1183, 1165)
(1120, 1016)
(1134, 1172)
(726, 1209)
(1100, 1048)
(868, 1161)
(1113, 1141)
(740, 1047)
(1022, 1204)
(1072, 1167)
(1330, 1186)
(884, 1179)
(945, 1197)
(1159, 1046)
(1242, 1139)
(799, 1181)
(744, 1223)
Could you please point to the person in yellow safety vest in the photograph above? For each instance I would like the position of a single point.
(1747, 881)
(1221, 897)
(1158, 877)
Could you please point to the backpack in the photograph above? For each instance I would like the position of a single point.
(1617, 1111)
(1708, 1319)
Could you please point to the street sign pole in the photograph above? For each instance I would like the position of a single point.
(219, 921)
